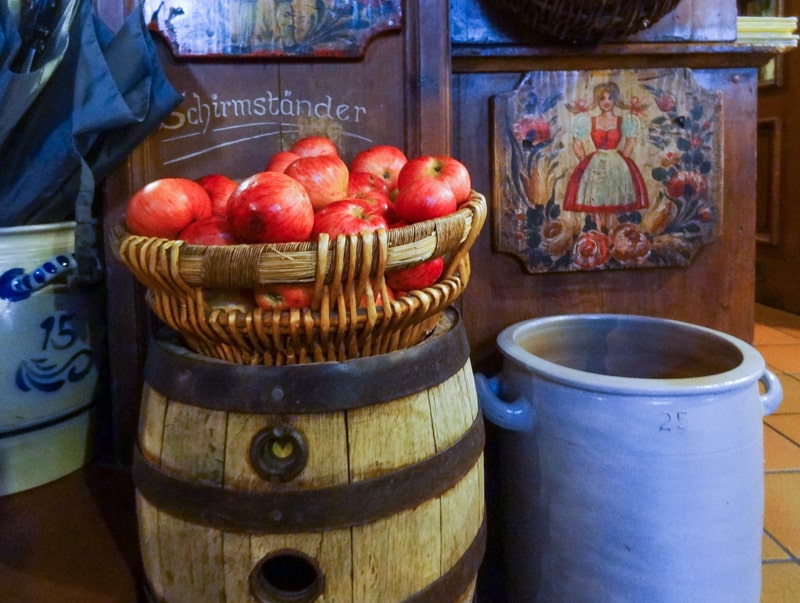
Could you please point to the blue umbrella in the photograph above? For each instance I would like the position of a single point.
(90, 98)
(20, 82)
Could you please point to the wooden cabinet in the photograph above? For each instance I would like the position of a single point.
(238, 110)
(428, 92)
(427, 86)
(490, 57)
(717, 288)
(778, 225)
(75, 539)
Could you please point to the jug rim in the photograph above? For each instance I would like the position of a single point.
(37, 228)
(749, 369)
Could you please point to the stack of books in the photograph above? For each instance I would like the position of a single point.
(776, 32)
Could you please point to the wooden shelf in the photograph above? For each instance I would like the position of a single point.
(476, 58)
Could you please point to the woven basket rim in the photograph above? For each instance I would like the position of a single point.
(588, 21)
(298, 262)
(352, 313)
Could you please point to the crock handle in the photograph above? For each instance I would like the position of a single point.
(773, 393)
(514, 416)
(16, 284)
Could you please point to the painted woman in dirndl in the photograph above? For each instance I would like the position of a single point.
(606, 182)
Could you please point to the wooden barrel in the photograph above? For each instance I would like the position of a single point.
(357, 481)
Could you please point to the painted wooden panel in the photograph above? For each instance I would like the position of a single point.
(716, 289)
(271, 28)
(606, 169)
(234, 117)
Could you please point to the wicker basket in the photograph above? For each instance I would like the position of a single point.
(346, 318)
(587, 21)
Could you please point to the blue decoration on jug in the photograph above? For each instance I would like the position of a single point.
(46, 375)
(15, 285)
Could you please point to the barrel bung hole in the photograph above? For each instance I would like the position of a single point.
(278, 453)
(287, 576)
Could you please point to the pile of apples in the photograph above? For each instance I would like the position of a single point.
(302, 193)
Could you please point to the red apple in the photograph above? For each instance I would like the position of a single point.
(377, 202)
(211, 230)
(229, 299)
(390, 296)
(424, 199)
(165, 207)
(446, 169)
(270, 207)
(324, 177)
(314, 146)
(219, 188)
(347, 217)
(384, 161)
(364, 182)
(280, 296)
(280, 161)
(378, 297)
(418, 276)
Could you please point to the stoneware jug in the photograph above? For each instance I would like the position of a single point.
(631, 460)
(51, 336)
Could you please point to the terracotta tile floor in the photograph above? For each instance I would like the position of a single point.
(777, 337)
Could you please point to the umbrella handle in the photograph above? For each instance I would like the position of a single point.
(15, 285)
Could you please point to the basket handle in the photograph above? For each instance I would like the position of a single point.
(477, 204)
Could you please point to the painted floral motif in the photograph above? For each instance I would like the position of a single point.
(44, 375)
(63, 356)
(630, 244)
(533, 152)
(592, 250)
(614, 170)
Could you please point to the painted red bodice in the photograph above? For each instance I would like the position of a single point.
(606, 139)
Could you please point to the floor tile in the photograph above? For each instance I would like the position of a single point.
(779, 319)
(780, 583)
(775, 336)
(781, 517)
(771, 550)
(780, 453)
(767, 335)
(784, 358)
(788, 426)
(791, 394)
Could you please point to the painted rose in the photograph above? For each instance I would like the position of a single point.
(591, 250)
(532, 130)
(706, 214)
(557, 237)
(629, 245)
(666, 102)
(687, 185)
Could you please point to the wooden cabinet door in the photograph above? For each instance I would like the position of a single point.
(778, 183)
